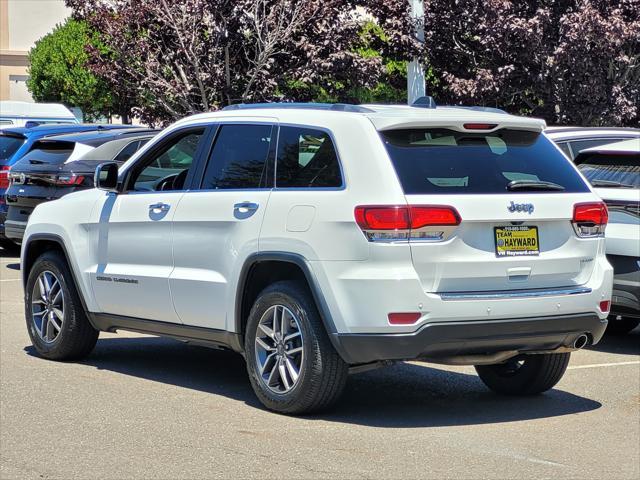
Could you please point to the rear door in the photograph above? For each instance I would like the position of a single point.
(514, 233)
(217, 224)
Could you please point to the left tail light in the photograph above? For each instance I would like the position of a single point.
(590, 219)
(402, 222)
(4, 176)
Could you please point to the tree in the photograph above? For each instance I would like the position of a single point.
(178, 58)
(569, 61)
(59, 71)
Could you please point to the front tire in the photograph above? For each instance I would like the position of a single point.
(525, 374)
(292, 365)
(56, 321)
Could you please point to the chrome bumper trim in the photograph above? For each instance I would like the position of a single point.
(504, 294)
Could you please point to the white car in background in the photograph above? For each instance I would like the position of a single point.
(27, 114)
(614, 171)
(572, 140)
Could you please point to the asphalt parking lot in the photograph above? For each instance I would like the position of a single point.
(144, 407)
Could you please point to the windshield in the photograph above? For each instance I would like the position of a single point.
(617, 168)
(9, 145)
(443, 161)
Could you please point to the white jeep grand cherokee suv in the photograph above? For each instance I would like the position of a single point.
(318, 239)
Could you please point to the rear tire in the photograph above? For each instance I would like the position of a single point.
(525, 374)
(56, 321)
(295, 347)
(623, 326)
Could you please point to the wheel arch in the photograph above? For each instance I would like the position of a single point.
(262, 269)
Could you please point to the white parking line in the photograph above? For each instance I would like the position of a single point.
(10, 280)
(598, 365)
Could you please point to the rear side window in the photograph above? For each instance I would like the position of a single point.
(578, 145)
(443, 161)
(9, 145)
(306, 159)
(239, 158)
(126, 153)
(618, 169)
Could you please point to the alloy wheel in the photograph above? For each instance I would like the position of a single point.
(47, 306)
(279, 349)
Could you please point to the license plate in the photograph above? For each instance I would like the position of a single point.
(516, 241)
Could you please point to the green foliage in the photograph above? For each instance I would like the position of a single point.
(60, 72)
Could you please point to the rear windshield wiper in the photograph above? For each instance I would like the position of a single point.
(610, 184)
(533, 185)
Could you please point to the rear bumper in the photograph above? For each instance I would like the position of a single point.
(469, 338)
(14, 230)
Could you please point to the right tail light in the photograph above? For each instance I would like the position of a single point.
(590, 219)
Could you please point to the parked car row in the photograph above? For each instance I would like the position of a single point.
(44, 162)
(320, 239)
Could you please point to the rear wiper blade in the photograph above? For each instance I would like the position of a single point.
(533, 185)
(610, 184)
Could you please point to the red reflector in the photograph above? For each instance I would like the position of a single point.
(480, 126)
(595, 213)
(404, 318)
(4, 176)
(378, 217)
(605, 305)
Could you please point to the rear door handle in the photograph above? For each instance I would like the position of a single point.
(162, 207)
(244, 207)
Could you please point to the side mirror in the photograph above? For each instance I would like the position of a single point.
(106, 177)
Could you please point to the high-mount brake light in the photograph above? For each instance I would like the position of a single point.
(479, 126)
(402, 222)
(590, 219)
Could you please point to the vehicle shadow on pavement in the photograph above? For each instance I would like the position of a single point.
(627, 344)
(404, 395)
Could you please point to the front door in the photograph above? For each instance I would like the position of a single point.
(217, 224)
(134, 247)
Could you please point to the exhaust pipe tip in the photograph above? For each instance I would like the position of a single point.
(581, 341)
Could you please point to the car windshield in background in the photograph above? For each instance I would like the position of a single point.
(614, 169)
(9, 145)
(443, 161)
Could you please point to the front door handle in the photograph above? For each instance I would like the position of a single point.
(162, 207)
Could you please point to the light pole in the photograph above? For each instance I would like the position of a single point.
(415, 72)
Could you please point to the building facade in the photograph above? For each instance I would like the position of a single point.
(22, 23)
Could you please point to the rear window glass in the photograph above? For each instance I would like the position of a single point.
(9, 145)
(443, 161)
(619, 169)
(51, 153)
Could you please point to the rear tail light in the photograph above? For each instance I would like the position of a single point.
(68, 180)
(404, 318)
(402, 222)
(590, 219)
(4, 176)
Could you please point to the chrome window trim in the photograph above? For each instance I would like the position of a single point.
(504, 294)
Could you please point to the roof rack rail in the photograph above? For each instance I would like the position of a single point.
(338, 107)
(424, 102)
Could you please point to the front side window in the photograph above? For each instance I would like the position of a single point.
(306, 159)
(167, 168)
(443, 161)
(239, 158)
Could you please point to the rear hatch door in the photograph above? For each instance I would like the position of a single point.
(515, 194)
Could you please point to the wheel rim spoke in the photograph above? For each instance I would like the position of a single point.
(47, 306)
(279, 349)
